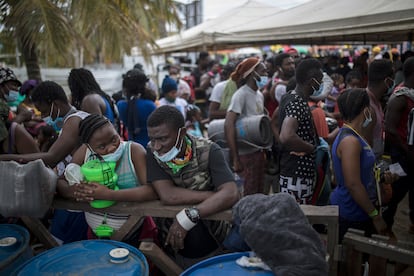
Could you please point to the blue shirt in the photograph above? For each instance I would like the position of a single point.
(340, 196)
(143, 109)
(109, 114)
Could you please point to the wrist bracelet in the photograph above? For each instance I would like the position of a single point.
(374, 213)
(184, 221)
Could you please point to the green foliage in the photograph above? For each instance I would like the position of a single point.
(101, 30)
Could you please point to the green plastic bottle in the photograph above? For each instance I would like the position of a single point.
(104, 173)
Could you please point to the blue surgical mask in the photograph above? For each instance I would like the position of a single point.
(368, 119)
(57, 123)
(114, 156)
(172, 153)
(13, 96)
(262, 82)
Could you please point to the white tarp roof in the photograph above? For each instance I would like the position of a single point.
(321, 21)
(314, 22)
(207, 32)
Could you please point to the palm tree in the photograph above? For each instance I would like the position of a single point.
(67, 30)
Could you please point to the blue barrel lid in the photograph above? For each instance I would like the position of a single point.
(89, 257)
(14, 240)
(223, 265)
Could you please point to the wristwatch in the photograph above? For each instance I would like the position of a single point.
(193, 214)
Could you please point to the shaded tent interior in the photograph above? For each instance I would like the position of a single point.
(315, 22)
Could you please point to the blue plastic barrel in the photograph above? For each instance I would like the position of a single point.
(224, 265)
(89, 257)
(14, 247)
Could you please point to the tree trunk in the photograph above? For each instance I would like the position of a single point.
(32, 62)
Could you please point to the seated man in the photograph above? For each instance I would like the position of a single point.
(191, 171)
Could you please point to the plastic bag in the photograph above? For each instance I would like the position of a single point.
(26, 189)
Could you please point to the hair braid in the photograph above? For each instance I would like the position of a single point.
(89, 125)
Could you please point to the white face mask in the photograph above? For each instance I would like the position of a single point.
(172, 153)
(114, 156)
(368, 119)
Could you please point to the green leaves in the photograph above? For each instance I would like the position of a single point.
(99, 29)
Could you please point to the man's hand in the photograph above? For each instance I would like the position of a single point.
(390, 177)
(380, 225)
(237, 166)
(176, 236)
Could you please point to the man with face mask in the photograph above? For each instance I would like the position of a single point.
(248, 161)
(192, 171)
(297, 134)
(380, 80)
(397, 130)
(9, 93)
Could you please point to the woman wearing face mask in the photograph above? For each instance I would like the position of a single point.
(9, 87)
(353, 163)
(247, 101)
(101, 140)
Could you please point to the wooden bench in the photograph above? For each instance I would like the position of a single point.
(384, 257)
(327, 215)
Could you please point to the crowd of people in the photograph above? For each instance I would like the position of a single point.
(331, 126)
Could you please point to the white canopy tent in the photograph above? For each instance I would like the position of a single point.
(314, 22)
(326, 21)
(206, 33)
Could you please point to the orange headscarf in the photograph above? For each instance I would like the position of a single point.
(244, 68)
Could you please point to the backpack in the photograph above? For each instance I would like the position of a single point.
(322, 188)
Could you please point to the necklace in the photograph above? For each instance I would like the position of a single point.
(357, 133)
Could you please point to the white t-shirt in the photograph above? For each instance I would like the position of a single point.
(280, 90)
(218, 92)
(247, 102)
(183, 88)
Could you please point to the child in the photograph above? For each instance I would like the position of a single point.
(338, 86)
(46, 137)
(194, 123)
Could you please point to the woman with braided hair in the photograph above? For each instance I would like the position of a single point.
(88, 96)
(139, 104)
(100, 139)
